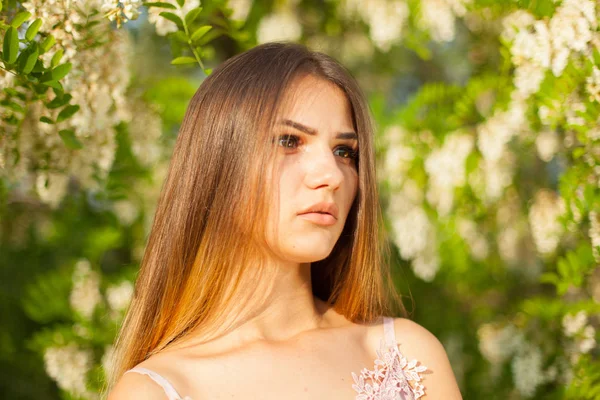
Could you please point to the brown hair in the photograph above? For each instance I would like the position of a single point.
(198, 250)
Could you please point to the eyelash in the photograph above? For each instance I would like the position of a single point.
(353, 154)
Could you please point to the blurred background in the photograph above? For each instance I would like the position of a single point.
(489, 168)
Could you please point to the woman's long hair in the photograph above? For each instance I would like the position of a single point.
(205, 226)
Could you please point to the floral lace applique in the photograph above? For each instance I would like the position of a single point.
(392, 375)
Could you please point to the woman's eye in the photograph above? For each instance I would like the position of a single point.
(346, 152)
(288, 141)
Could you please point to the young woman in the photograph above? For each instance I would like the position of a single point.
(264, 275)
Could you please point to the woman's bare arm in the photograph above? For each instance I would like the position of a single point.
(418, 343)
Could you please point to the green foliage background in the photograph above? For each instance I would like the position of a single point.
(514, 326)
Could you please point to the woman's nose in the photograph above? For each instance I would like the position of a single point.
(322, 169)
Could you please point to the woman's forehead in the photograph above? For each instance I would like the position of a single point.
(316, 102)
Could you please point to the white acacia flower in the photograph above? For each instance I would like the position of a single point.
(85, 295)
(588, 340)
(411, 231)
(121, 10)
(546, 229)
(573, 323)
(280, 26)
(240, 8)
(108, 358)
(594, 233)
(446, 165)
(426, 264)
(527, 369)
(119, 296)
(593, 85)
(438, 17)
(547, 144)
(498, 344)
(478, 245)
(68, 366)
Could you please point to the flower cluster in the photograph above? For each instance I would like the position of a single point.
(439, 17)
(539, 45)
(386, 19)
(69, 365)
(98, 82)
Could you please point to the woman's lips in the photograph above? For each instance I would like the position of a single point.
(319, 218)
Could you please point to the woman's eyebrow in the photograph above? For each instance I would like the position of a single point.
(313, 132)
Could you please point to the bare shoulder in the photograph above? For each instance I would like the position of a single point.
(136, 386)
(418, 343)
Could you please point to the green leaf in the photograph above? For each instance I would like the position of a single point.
(58, 102)
(39, 66)
(68, 137)
(67, 112)
(181, 2)
(57, 57)
(33, 29)
(61, 71)
(46, 120)
(11, 45)
(28, 60)
(47, 43)
(183, 60)
(20, 18)
(180, 36)
(192, 15)
(200, 32)
(208, 71)
(173, 18)
(161, 5)
(53, 84)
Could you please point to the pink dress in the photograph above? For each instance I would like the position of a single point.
(392, 378)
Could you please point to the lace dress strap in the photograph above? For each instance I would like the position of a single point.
(161, 381)
(388, 331)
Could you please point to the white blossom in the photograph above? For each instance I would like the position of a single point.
(119, 296)
(499, 344)
(108, 358)
(593, 85)
(588, 340)
(427, 263)
(594, 233)
(495, 133)
(571, 30)
(573, 323)
(527, 369)
(240, 8)
(516, 22)
(68, 366)
(446, 170)
(547, 144)
(546, 229)
(398, 155)
(121, 10)
(469, 232)
(439, 16)
(280, 26)
(85, 295)
(411, 230)
(385, 18)
(51, 187)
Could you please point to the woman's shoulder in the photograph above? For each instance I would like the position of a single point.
(152, 379)
(136, 386)
(416, 343)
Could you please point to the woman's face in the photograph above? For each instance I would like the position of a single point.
(315, 172)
